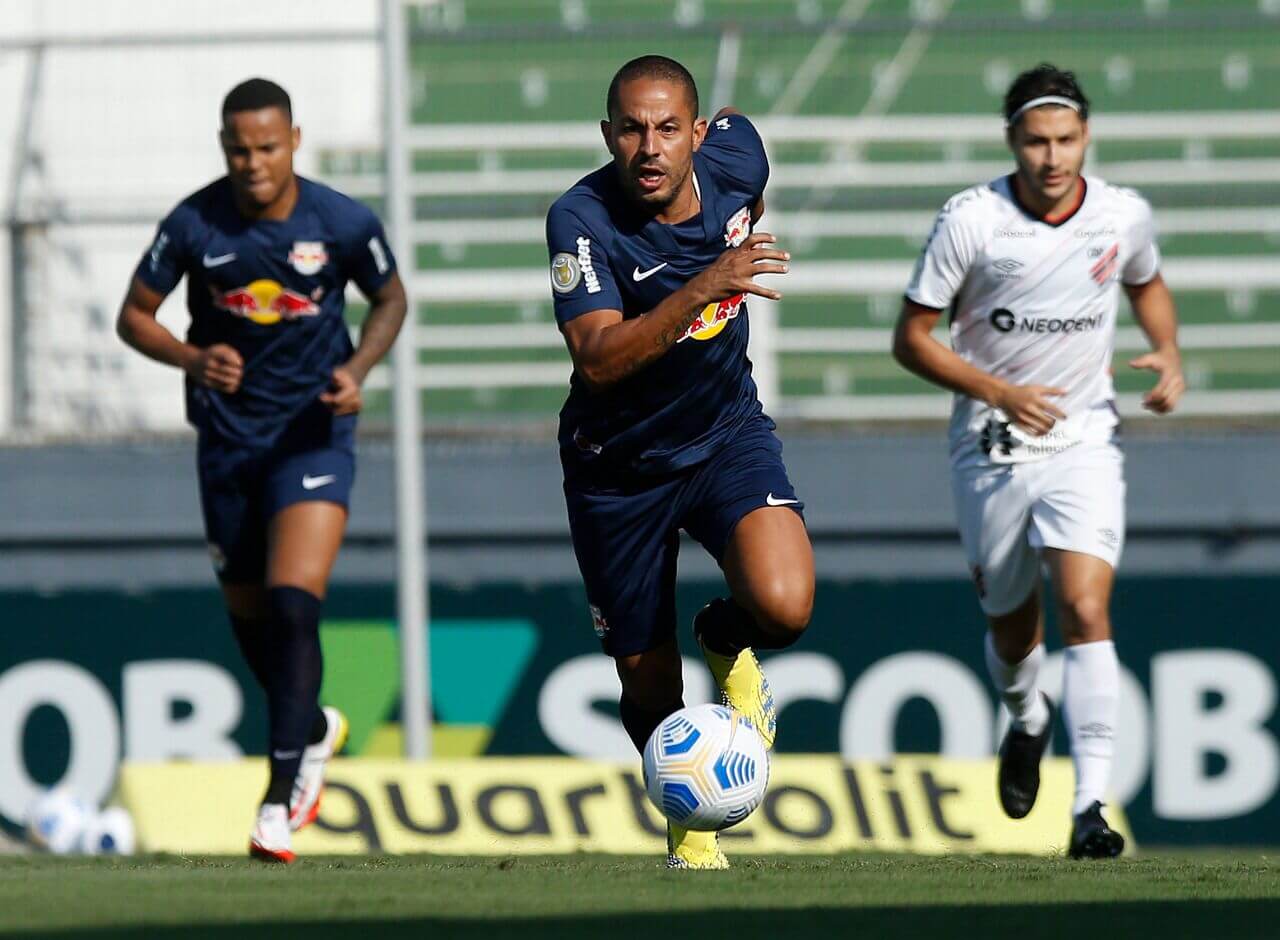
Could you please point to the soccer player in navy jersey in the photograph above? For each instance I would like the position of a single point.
(652, 259)
(273, 390)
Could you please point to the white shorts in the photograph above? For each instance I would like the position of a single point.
(1007, 514)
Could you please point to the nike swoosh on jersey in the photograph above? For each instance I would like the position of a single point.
(311, 483)
(220, 259)
(639, 275)
(774, 501)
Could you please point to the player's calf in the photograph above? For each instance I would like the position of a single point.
(652, 688)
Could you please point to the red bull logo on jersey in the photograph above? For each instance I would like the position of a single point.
(308, 258)
(713, 318)
(737, 228)
(265, 302)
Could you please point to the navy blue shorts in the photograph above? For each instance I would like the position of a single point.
(626, 531)
(242, 488)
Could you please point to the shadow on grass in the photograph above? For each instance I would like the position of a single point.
(1156, 919)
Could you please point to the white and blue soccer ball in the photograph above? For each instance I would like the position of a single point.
(56, 820)
(109, 833)
(706, 768)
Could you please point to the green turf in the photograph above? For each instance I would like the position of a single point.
(1210, 895)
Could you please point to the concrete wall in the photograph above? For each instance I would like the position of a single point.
(127, 516)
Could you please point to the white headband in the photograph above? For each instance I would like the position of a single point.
(1039, 102)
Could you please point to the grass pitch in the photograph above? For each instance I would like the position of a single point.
(1218, 894)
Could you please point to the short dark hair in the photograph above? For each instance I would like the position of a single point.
(254, 94)
(1044, 79)
(651, 66)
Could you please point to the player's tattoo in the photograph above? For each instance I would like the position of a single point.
(671, 336)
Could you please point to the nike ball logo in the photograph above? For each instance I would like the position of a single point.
(774, 501)
(311, 483)
(639, 275)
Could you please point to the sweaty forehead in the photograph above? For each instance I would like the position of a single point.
(647, 98)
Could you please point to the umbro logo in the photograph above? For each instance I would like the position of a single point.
(1008, 265)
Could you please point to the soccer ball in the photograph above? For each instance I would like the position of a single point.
(706, 768)
(56, 819)
(109, 833)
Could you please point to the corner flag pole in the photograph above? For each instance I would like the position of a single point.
(411, 516)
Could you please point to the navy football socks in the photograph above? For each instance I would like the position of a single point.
(251, 635)
(293, 686)
(640, 722)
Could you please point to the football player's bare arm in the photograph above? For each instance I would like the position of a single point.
(1153, 309)
(218, 366)
(916, 349)
(381, 326)
(607, 349)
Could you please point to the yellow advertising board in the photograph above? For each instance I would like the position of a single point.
(549, 805)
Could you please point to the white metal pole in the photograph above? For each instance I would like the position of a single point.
(411, 516)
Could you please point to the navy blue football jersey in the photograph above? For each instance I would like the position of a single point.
(605, 255)
(273, 290)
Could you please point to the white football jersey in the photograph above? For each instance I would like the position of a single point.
(1035, 303)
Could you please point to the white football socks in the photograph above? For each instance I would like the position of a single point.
(1090, 699)
(1016, 684)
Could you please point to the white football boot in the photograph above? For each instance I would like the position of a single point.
(270, 839)
(308, 786)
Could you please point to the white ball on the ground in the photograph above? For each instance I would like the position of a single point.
(109, 833)
(56, 820)
(705, 767)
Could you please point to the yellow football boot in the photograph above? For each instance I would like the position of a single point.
(743, 687)
(687, 848)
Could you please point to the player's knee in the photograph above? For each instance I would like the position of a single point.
(1085, 619)
(784, 610)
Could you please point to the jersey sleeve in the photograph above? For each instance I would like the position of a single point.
(368, 258)
(1144, 252)
(733, 144)
(943, 263)
(581, 278)
(168, 258)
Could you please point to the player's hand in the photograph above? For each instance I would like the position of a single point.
(343, 396)
(218, 367)
(1028, 406)
(1167, 364)
(734, 271)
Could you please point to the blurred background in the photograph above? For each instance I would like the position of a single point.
(874, 112)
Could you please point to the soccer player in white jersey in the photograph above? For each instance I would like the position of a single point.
(1029, 268)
